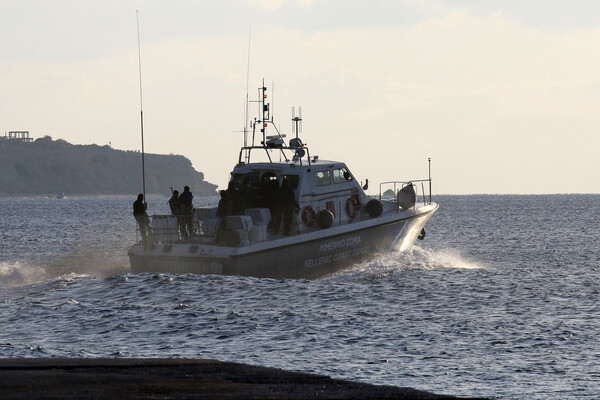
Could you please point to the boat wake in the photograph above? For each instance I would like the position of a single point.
(415, 259)
(20, 284)
(80, 263)
(18, 274)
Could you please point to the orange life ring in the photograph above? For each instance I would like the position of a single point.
(352, 206)
(308, 216)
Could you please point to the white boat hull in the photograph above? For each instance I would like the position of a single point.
(308, 255)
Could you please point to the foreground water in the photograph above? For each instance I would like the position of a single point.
(500, 300)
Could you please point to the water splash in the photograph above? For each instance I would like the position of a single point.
(417, 258)
(430, 259)
(90, 262)
(80, 262)
(18, 274)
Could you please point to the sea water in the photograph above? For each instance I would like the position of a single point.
(500, 300)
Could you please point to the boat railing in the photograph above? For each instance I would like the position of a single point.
(165, 228)
(301, 154)
(235, 230)
(422, 189)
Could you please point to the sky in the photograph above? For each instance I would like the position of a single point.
(503, 96)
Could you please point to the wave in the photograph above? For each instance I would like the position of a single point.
(18, 280)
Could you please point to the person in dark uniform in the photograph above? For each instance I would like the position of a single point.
(271, 197)
(139, 212)
(237, 199)
(186, 211)
(224, 209)
(253, 199)
(175, 205)
(284, 206)
(289, 205)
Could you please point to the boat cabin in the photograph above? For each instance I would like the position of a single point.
(325, 192)
(268, 199)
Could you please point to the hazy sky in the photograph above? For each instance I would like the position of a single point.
(502, 95)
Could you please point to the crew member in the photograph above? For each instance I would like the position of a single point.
(186, 211)
(284, 206)
(175, 205)
(223, 210)
(289, 205)
(139, 212)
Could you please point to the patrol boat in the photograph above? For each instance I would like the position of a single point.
(335, 223)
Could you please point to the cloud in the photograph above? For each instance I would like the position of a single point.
(273, 5)
(268, 5)
(498, 106)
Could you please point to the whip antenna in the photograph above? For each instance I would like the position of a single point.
(141, 105)
(247, 99)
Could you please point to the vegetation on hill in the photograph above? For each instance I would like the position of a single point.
(50, 167)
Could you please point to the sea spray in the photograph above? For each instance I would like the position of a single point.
(416, 258)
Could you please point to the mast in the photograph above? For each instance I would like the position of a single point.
(429, 162)
(247, 101)
(141, 106)
(264, 111)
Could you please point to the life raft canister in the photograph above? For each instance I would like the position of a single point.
(352, 206)
(308, 216)
(374, 208)
(324, 219)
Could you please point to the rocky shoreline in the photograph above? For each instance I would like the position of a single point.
(91, 378)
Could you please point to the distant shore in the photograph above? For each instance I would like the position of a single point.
(47, 167)
(91, 378)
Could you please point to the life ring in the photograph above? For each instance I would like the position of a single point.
(352, 206)
(308, 216)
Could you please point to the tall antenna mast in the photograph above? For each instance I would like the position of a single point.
(247, 100)
(141, 106)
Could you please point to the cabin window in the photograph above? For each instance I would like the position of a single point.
(322, 178)
(268, 177)
(237, 178)
(341, 175)
(293, 180)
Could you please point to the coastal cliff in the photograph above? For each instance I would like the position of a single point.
(49, 167)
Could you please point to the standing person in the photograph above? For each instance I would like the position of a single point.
(139, 212)
(223, 211)
(186, 211)
(175, 205)
(289, 206)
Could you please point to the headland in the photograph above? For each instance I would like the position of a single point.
(44, 166)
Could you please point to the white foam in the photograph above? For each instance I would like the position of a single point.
(440, 258)
(18, 274)
(414, 259)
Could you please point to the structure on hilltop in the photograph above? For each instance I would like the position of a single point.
(19, 136)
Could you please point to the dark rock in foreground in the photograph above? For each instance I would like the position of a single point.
(54, 378)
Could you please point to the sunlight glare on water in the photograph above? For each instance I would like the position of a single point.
(501, 300)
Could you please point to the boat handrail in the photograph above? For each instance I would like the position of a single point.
(423, 193)
(281, 149)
